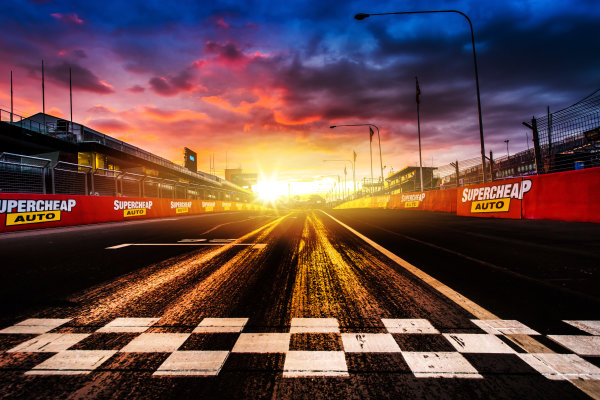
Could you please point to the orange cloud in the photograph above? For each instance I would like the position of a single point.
(172, 115)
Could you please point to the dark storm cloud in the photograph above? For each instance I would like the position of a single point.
(82, 78)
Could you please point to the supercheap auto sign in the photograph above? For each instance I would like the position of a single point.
(496, 200)
(34, 211)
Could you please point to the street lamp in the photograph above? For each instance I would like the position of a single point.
(506, 141)
(353, 170)
(361, 16)
(379, 141)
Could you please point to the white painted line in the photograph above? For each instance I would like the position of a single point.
(255, 245)
(562, 366)
(226, 223)
(582, 345)
(369, 343)
(439, 365)
(193, 363)
(523, 341)
(262, 343)
(221, 325)
(314, 325)
(156, 343)
(49, 343)
(35, 326)
(119, 246)
(503, 327)
(128, 325)
(456, 297)
(259, 246)
(592, 327)
(314, 363)
(478, 343)
(72, 362)
(421, 326)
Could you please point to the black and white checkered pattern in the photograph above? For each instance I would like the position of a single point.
(310, 347)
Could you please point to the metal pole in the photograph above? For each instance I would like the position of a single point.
(71, 97)
(380, 159)
(371, 154)
(507, 155)
(11, 98)
(362, 16)
(419, 131)
(43, 98)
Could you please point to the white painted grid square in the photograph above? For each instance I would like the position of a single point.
(582, 345)
(504, 327)
(369, 343)
(592, 327)
(262, 343)
(49, 343)
(72, 362)
(409, 325)
(155, 343)
(221, 325)
(193, 363)
(314, 325)
(128, 325)
(561, 366)
(439, 365)
(35, 326)
(314, 363)
(478, 343)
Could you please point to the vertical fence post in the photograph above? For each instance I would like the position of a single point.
(491, 166)
(53, 180)
(93, 181)
(44, 180)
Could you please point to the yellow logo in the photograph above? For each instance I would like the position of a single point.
(32, 217)
(487, 206)
(134, 212)
(182, 210)
(411, 204)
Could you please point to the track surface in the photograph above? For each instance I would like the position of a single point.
(375, 330)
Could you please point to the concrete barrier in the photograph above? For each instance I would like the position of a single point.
(565, 196)
(34, 211)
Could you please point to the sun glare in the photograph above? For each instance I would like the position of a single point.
(270, 190)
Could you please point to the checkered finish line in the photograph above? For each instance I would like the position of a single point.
(311, 347)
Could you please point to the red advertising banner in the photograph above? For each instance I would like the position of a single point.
(440, 200)
(566, 196)
(501, 199)
(34, 211)
(409, 201)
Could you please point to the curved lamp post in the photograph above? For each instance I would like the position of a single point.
(361, 16)
(379, 140)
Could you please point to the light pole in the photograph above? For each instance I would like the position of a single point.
(379, 141)
(362, 16)
(353, 170)
(506, 141)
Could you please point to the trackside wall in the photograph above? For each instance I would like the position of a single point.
(565, 196)
(34, 211)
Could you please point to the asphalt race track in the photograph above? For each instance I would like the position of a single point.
(304, 304)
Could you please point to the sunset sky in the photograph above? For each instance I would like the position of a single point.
(264, 80)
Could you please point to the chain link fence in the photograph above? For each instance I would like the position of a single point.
(26, 174)
(570, 138)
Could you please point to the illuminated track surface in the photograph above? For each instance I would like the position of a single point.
(296, 305)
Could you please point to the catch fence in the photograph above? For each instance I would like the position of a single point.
(27, 174)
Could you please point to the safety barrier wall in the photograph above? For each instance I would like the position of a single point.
(34, 211)
(565, 196)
